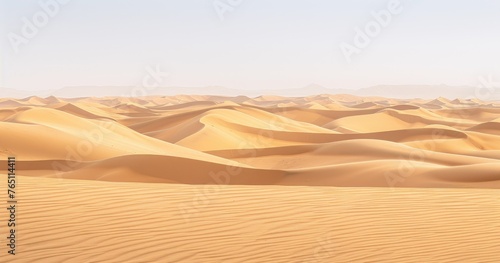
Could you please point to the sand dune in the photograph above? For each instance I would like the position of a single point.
(294, 141)
(326, 178)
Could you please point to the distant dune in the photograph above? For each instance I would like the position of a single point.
(323, 140)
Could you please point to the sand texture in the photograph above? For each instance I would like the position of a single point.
(327, 178)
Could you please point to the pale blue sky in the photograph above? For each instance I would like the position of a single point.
(260, 44)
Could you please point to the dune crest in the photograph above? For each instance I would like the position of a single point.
(326, 178)
(327, 140)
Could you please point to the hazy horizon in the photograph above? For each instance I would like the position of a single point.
(386, 91)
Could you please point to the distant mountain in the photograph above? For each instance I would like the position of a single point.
(388, 91)
(418, 91)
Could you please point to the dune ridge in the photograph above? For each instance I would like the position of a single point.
(192, 178)
(329, 140)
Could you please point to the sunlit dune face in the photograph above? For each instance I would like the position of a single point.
(330, 140)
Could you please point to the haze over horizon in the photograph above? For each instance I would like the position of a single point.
(387, 91)
(253, 45)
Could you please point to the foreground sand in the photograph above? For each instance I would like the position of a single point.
(323, 140)
(63, 220)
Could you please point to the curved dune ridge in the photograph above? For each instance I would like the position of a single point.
(63, 220)
(328, 140)
(327, 178)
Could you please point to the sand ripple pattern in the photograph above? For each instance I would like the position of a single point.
(64, 220)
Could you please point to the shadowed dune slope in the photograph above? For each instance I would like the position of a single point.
(329, 140)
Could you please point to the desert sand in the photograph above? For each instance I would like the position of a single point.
(324, 140)
(326, 178)
(64, 220)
